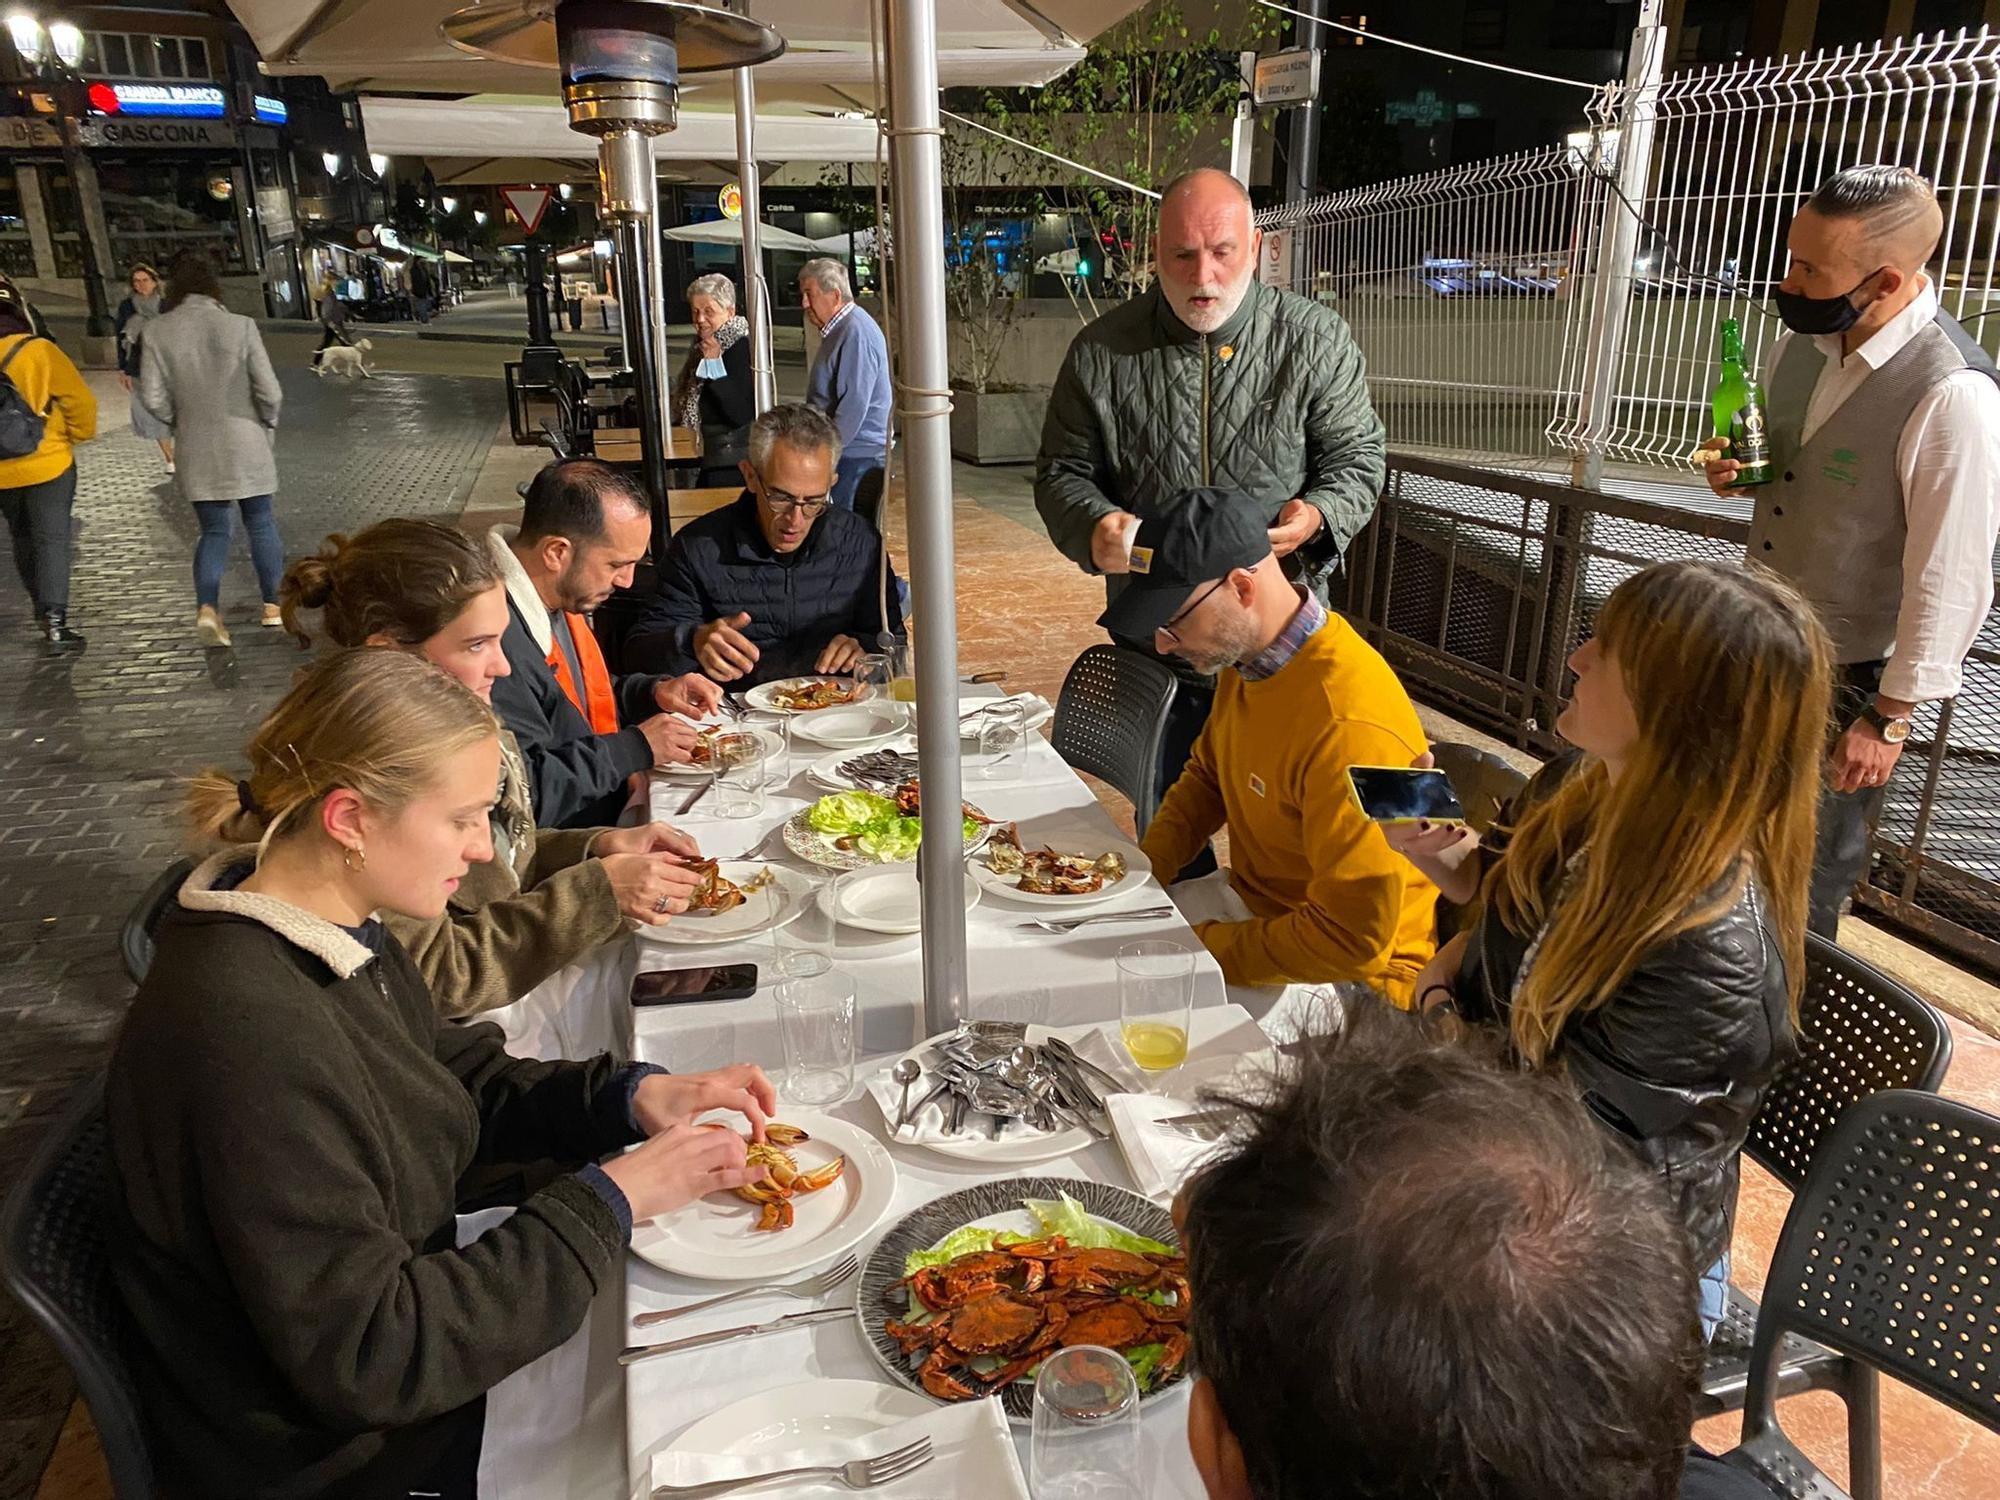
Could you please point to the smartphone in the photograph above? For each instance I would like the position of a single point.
(684, 986)
(1404, 794)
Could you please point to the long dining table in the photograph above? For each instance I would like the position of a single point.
(1017, 973)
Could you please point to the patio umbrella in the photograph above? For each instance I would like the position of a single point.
(730, 232)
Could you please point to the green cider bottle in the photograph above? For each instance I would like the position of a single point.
(1739, 411)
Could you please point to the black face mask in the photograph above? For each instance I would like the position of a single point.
(1820, 315)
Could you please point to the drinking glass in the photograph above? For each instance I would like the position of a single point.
(1084, 1442)
(903, 673)
(1003, 741)
(873, 673)
(1155, 1002)
(816, 1020)
(739, 789)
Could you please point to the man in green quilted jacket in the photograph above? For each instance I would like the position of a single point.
(1209, 380)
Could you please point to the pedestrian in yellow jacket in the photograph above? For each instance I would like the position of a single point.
(38, 490)
(1313, 895)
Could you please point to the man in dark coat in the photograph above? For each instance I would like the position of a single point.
(778, 584)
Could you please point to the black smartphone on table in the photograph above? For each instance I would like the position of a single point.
(1404, 794)
(684, 986)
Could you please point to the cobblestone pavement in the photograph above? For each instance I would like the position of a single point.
(91, 745)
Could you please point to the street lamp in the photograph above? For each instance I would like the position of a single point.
(379, 162)
(331, 161)
(449, 205)
(568, 189)
(479, 216)
(49, 56)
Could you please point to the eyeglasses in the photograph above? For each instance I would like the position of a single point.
(1167, 630)
(782, 502)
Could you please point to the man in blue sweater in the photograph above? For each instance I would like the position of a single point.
(850, 383)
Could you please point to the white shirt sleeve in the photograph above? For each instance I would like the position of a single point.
(1949, 462)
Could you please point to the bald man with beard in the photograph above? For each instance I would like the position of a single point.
(1209, 380)
(1884, 506)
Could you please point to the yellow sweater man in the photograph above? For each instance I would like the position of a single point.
(38, 489)
(1314, 894)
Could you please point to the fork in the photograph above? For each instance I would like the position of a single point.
(733, 706)
(813, 1286)
(1070, 924)
(859, 1474)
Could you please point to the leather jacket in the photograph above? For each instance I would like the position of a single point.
(1676, 1063)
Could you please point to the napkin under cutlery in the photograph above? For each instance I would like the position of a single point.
(973, 1446)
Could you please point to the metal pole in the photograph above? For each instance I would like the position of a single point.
(1301, 180)
(538, 294)
(925, 403)
(1243, 129)
(1618, 242)
(628, 196)
(756, 296)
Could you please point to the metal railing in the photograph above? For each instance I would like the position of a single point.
(1477, 586)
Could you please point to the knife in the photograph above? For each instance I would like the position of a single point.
(1070, 1055)
(693, 797)
(633, 1353)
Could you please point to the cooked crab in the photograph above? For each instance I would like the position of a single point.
(820, 692)
(783, 1179)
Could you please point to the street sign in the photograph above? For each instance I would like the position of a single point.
(527, 205)
(730, 201)
(1274, 266)
(1287, 77)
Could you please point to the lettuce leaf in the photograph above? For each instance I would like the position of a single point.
(1068, 1218)
(961, 1242)
(1145, 1363)
(893, 840)
(845, 813)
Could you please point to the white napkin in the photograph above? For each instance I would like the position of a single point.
(973, 1454)
(1037, 708)
(1158, 1158)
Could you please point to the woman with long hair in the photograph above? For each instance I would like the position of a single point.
(290, 1121)
(714, 394)
(143, 303)
(548, 895)
(38, 488)
(203, 371)
(1641, 907)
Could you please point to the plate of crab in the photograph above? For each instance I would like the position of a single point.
(828, 1185)
(963, 1298)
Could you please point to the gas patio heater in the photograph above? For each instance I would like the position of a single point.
(621, 63)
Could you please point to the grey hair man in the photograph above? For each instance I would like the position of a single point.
(849, 381)
(1209, 380)
(781, 582)
(1884, 501)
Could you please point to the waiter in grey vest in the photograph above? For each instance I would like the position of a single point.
(1884, 500)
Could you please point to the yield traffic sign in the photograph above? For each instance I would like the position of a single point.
(527, 204)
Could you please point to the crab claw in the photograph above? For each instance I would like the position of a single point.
(819, 1177)
(780, 1134)
(773, 1217)
(764, 1192)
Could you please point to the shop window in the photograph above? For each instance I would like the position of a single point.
(167, 56)
(116, 56)
(159, 204)
(194, 58)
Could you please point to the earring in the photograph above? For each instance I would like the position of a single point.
(349, 857)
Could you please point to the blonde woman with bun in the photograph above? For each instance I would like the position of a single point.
(290, 1120)
(549, 895)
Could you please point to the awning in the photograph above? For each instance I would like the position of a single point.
(422, 252)
(487, 127)
(862, 242)
(453, 258)
(396, 45)
(730, 232)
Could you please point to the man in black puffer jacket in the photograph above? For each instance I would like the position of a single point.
(778, 584)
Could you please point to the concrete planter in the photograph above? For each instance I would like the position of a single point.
(997, 427)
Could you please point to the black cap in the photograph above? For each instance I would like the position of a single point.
(1184, 541)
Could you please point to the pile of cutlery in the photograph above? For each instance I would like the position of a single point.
(988, 1069)
(883, 769)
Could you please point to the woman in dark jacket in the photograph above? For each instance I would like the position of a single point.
(143, 303)
(1641, 920)
(289, 1122)
(715, 395)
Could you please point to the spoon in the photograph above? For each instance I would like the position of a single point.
(906, 1072)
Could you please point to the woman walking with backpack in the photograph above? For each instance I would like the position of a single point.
(45, 409)
(203, 370)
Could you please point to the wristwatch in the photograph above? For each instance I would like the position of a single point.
(1893, 730)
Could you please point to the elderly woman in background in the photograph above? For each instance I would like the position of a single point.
(715, 395)
(203, 371)
(142, 304)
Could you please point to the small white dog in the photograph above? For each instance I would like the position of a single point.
(345, 359)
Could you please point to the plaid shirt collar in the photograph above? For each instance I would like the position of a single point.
(1310, 616)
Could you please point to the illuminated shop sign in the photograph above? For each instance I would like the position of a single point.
(269, 111)
(200, 101)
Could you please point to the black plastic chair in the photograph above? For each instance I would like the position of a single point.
(135, 938)
(52, 1260)
(1863, 1033)
(1485, 782)
(1110, 718)
(1890, 1257)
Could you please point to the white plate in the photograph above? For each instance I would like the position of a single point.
(763, 697)
(795, 1416)
(885, 899)
(817, 848)
(716, 1238)
(853, 725)
(762, 911)
(1010, 1150)
(769, 748)
(825, 772)
(1137, 868)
